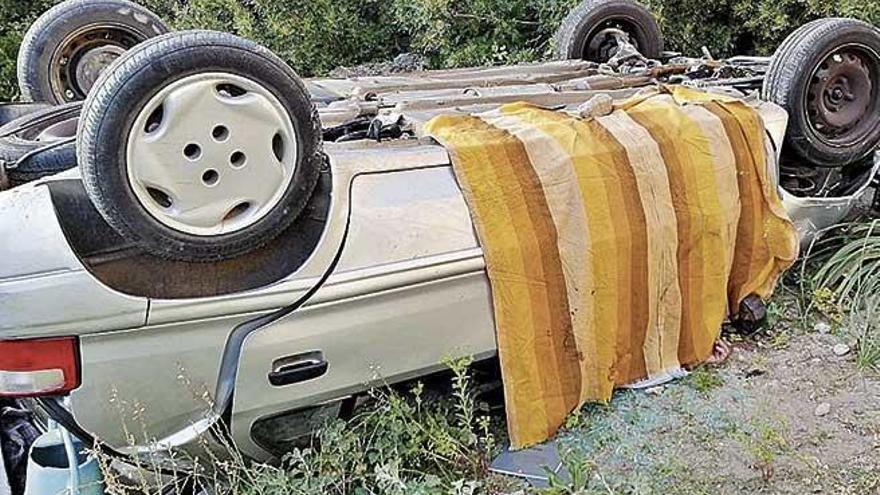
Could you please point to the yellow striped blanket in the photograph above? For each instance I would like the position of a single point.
(615, 246)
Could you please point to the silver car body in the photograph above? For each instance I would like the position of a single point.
(408, 289)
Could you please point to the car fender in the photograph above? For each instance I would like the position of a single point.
(44, 288)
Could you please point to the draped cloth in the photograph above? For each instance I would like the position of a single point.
(615, 246)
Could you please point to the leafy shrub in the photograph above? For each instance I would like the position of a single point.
(317, 35)
(15, 17)
(314, 36)
(477, 32)
(747, 26)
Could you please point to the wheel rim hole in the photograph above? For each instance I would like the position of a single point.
(210, 177)
(154, 120)
(278, 147)
(239, 210)
(228, 90)
(220, 133)
(192, 151)
(237, 159)
(160, 197)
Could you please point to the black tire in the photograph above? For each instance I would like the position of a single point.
(591, 17)
(123, 91)
(825, 129)
(53, 54)
(29, 149)
(773, 71)
(12, 111)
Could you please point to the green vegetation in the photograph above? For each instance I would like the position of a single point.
(400, 442)
(704, 380)
(15, 17)
(765, 444)
(747, 26)
(849, 283)
(317, 35)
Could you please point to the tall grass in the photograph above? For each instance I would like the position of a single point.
(851, 275)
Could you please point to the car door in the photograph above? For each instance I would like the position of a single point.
(409, 291)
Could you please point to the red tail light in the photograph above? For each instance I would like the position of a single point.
(37, 367)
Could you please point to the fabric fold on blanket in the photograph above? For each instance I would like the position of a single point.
(615, 246)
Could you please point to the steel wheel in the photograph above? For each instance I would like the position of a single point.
(84, 55)
(211, 154)
(826, 75)
(70, 45)
(842, 96)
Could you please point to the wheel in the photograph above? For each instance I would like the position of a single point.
(12, 111)
(39, 144)
(66, 49)
(199, 146)
(590, 30)
(827, 76)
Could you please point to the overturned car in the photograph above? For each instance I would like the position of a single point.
(229, 230)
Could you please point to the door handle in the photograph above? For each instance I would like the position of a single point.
(298, 368)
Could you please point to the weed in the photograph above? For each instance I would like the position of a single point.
(775, 314)
(398, 444)
(864, 326)
(825, 302)
(584, 477)
(703, 380)
(765, 443)
(779, 339)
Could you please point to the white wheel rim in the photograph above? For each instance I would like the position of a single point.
(211, 154)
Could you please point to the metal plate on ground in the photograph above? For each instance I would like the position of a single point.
(535, 465)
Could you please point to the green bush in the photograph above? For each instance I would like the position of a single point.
(313, 35)
(745, 27)
(15, 17)
(317, 35)
(453, 33)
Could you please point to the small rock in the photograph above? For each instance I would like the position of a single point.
(841, 349)
(658, 390)
(823, 409)
(822, 327)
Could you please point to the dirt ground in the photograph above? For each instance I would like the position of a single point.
(785, 414)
